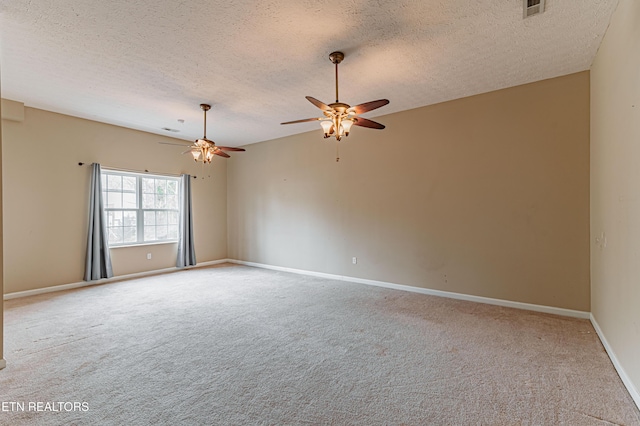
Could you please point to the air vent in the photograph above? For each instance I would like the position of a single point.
(533, 7)
(168, 129)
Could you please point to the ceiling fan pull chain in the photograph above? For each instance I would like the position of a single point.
(337, 152)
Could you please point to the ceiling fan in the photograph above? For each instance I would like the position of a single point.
(204, 149)
(338, 116)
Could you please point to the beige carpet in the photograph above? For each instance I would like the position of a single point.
(234, 345)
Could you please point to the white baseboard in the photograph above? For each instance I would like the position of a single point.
(635, 395)
(440, 293)
(62, 287)
(614, 359)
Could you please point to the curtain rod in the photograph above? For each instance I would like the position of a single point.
(137, 171)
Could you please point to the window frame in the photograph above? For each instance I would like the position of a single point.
(139, 209)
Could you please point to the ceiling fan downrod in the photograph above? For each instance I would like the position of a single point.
(205, 108)
(336, 58)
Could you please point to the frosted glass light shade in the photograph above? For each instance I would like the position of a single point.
(209, 156)
(196, 153)
(326, 127)
(346, 125)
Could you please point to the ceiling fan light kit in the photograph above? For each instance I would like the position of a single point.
(338, 116)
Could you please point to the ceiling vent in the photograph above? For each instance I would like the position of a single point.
(533, 7)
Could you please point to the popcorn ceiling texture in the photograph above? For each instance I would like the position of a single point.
(234, 345)
(146, 64)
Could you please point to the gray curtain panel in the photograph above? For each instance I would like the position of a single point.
(98, 262)
(186, 252)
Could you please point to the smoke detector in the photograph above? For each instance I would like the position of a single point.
(532, 7)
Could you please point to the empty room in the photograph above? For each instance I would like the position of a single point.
(332, 213)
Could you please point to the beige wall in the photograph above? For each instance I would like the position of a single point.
(2, 362)
(46, 193)
(487, 195)
(615, 187)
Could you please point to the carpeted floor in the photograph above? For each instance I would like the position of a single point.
(234, 345)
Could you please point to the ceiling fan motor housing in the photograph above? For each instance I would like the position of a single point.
(340, 107)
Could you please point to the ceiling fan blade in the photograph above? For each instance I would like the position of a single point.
(319, 104)
(364, 122)
(370, 106)
(302, 121)
(176, 144)
(228, 148)
(186, 151)
(222, 154)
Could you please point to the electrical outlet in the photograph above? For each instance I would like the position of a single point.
(148, 256)
(354, 260)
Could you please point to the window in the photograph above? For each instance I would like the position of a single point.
(140, 208)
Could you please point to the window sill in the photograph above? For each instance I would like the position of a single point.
(154, 243)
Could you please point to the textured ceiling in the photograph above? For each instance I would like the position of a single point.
(145, 64)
